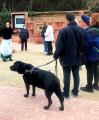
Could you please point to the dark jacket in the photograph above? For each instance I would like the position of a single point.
(93, 44)
(92, 41)
(24, 34)
(43, 31)
(6, 33)
(67, 46)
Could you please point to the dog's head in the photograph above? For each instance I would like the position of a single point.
(20, 67)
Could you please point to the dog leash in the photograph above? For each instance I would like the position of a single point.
(46, 63)
(56, 70)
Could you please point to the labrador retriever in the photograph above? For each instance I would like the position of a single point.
(41, 79)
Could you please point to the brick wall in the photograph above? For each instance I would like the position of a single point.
(35, 23)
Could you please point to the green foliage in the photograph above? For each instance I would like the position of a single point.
(4, 17)
(43, 5)
(92, 4)
(69, 5)
(95, 7)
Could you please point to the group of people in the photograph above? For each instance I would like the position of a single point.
(6, 44)
(75, 47)
(47, 35)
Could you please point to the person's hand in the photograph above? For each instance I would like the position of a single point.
(16, 31)
(81, 13)
(54, 57)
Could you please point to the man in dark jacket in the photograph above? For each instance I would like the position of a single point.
(69, 47)
(24, 35)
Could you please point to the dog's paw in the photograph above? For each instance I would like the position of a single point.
(46, 107)
(33, 94)
(61, 108)
(25, 95)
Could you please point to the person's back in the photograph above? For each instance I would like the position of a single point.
(69, 47)
(92, 54)
(71, 38)
(93, 44)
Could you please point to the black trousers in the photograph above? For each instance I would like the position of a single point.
(49, 47)
(92, 73)
(67, 73)
(23, 42)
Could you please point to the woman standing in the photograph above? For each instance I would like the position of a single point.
(92, 55)
(6, 44)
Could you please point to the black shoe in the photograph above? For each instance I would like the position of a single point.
(4, 60)
(65, 96)
(74, 94)
(87, 89)
(96, 87)
(10, 59)
(51, 53)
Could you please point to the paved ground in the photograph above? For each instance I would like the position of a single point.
(13, 106)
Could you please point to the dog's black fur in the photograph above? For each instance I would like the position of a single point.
(41, 79)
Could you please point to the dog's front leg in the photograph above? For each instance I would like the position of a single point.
(27, 89)
(33, 90)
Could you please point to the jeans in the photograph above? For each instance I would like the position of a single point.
(92, 73)
(49, 46)
(67, 72)
(45, 44)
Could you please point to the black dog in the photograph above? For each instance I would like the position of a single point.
(39, 78)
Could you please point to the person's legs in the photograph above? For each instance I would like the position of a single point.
(25, 45)
(90, 72)
(75, 71)
(96, 75)
(50, 46)
(45, 44)
(22, 45)
(66, 73)
(10, 57)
